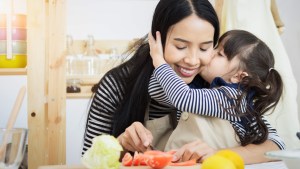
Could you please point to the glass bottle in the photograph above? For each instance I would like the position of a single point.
(73, 64)
(91, 57)
(70, 57)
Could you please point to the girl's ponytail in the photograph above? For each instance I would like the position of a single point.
(274, 88)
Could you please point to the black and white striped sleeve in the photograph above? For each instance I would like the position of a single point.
(102, 108)
(273, 136)
(208, 102)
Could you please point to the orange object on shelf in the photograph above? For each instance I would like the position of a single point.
(18, 21)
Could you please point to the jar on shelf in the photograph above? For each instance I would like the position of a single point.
(73, 86)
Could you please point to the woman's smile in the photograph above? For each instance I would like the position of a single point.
(186, 72)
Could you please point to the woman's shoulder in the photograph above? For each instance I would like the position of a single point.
(112, 81)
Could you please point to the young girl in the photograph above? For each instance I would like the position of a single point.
(243, 85)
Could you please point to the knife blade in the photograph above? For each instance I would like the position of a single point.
(151, 147)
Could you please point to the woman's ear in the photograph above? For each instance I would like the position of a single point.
(236, 78)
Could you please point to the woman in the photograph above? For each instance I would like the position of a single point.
(121, 99)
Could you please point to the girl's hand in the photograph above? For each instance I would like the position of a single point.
(156, 49)
(198, 150)
(136, 138)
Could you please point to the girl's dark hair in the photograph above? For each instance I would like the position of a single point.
(262, 87)
(139, 67)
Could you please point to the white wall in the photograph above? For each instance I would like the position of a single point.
(9, 88)
(110, 19)
(290, 15)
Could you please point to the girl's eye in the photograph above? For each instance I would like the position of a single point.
(220, 54)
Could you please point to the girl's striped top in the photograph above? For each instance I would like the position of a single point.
(166, 87)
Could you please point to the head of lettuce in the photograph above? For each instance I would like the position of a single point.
(103, 154)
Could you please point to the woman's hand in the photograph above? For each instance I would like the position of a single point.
(198, 150)
(136, 138)
(156, 50)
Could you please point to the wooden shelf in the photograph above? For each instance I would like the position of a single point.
(105, 59)
(79, 95)
(85, 84)
(85, 93)
(86, 79)
(13, 71)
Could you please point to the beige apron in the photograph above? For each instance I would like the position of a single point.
(161, 129)
(217, 133)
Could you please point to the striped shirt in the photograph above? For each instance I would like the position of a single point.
(166, 87)
(104, 104)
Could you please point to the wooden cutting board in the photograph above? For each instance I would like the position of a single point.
(168, 167)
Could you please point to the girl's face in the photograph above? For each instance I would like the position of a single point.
(189, 47)
(220, 66)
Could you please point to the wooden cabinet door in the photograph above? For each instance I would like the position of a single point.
(46, 24)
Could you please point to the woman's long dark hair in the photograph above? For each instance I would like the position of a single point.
(262, 87)
(139, 67)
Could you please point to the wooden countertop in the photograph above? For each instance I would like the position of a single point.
(273, 165)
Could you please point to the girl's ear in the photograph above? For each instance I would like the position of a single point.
(236, 78)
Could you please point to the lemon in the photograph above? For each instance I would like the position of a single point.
(217, 162)
(233, 156)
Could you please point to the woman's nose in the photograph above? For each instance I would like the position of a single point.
(192, 59)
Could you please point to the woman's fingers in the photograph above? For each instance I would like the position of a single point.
(205, 152)
(136, 137)
(186, 152)
(144, 136)
(126, 144)
(198, 150)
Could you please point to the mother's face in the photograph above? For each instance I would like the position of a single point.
(189, 46)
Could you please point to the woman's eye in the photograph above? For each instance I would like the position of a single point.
(203, 50)
(180, 47)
